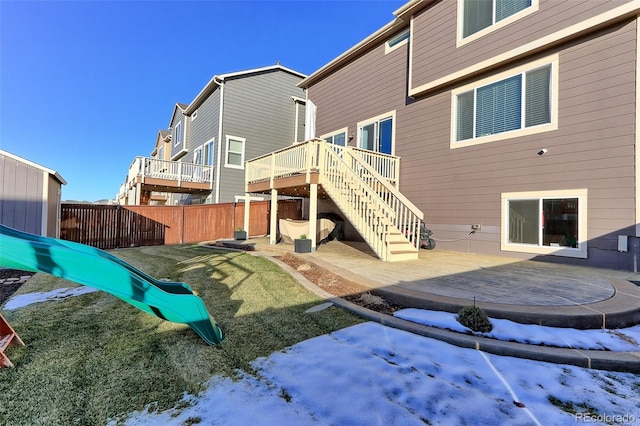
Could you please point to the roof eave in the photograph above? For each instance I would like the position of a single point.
(217, 80)
(36, 165)
(403, 15)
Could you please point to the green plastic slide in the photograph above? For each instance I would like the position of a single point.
(96, 268)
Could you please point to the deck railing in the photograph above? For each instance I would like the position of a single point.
(145, 167)
(352, 178)
(303, 157)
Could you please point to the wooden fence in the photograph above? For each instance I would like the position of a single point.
(114, 226)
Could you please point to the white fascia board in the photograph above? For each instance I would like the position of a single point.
(256, 70)
(36, 165)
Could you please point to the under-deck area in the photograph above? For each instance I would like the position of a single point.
(361, 184)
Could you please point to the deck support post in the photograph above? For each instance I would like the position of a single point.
(138, 193)
(247, 211)
(273, 229)
(313, 215)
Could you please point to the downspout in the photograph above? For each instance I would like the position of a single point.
(220, 83)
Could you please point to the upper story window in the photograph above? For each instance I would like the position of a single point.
(204, 154)
(377, 133)
(337, 138)
(177, 134)
(476, 16)
(160, 154)
(508, 105)
(235, 152)
(397, 41)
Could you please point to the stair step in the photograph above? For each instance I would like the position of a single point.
(397, 256)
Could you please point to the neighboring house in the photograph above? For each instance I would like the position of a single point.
(519, 118)
(30, 196)
(235, 117)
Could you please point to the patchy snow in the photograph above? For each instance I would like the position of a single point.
(37, 297)
(370, 374)
(619, 340)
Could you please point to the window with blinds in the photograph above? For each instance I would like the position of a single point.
(513, 103)
(480, 14)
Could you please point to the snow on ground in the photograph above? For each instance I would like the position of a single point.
(57, 294)
(370, 374)
(620, 340)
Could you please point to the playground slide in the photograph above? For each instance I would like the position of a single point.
(96, 268)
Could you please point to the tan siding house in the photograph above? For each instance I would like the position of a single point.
(525, 125)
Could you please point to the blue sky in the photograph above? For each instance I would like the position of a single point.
(86, 85)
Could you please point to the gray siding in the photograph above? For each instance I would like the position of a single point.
(21, 195)
(54, 193)
(593, 147)
(178, 117)
(205, 126)
(260, 109)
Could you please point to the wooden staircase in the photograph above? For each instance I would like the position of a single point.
(371, 203)
(361, 183)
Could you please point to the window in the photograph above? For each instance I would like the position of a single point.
(235, 152)
(177, 134)
(478, 15)
(377, 134)
(397, 41)
(204, 154)
(337, 138)
(160, 154)
(522, 101)
(545, 223)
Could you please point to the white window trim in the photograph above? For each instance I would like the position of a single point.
(388, 48)
(390, 114)
(226, 156)
(201, 148)
(460, 41)
(180, 140)
(211, 142)
(195, 152)
(553, 125)
(344, 130)
(580, 252)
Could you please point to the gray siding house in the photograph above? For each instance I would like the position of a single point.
(520, 125)
(30, 196)
(235, 117)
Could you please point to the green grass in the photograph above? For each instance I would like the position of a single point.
(94, 357)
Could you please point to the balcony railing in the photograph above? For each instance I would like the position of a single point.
(144, 167)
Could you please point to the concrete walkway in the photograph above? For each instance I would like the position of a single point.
(524, 291)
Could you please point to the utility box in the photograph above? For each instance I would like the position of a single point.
(623, 243)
